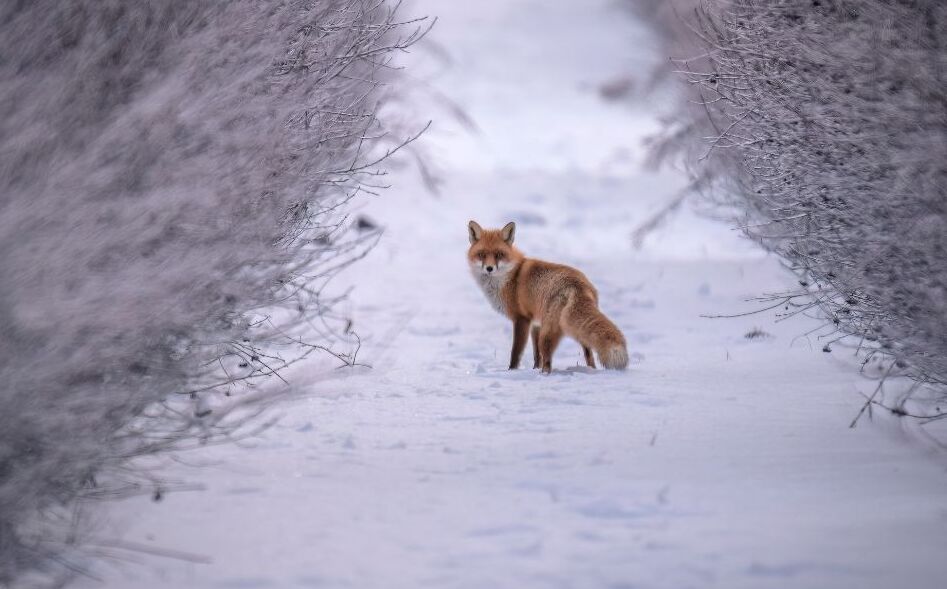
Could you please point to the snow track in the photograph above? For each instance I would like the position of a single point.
(716, 460)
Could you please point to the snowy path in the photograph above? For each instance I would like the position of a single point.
(715, 461)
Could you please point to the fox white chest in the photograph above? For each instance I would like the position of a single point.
(492, 286)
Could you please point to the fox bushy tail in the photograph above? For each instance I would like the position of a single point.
(597, 331)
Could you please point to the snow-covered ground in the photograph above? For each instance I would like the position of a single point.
(717, 460)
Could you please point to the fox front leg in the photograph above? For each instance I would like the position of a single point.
(520, 335)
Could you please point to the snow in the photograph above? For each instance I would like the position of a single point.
(716, 460)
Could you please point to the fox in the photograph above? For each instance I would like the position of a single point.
(545, 301)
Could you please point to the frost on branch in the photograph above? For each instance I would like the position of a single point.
(823, 125)
(174, 177)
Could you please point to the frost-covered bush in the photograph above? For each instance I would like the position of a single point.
(171, 177)
(824, 125)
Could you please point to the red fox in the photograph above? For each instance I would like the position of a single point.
(552, 299)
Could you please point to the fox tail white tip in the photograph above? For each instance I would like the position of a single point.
(615, 358)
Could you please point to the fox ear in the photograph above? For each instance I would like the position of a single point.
(476, 231)
(508, 232)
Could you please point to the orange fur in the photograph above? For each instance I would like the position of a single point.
(552, 299)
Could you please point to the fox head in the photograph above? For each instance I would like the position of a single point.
(491, 251)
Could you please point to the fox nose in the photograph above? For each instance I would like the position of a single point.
(489, 268)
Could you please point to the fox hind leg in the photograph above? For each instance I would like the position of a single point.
(589, 358)
(548, 341)
(537, 361)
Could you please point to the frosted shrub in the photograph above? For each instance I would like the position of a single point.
(172, 180)
(823, 124)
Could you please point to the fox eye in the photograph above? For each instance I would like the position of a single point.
(499, 255)
(481, 255)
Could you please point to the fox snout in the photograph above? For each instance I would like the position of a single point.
(487, 268)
